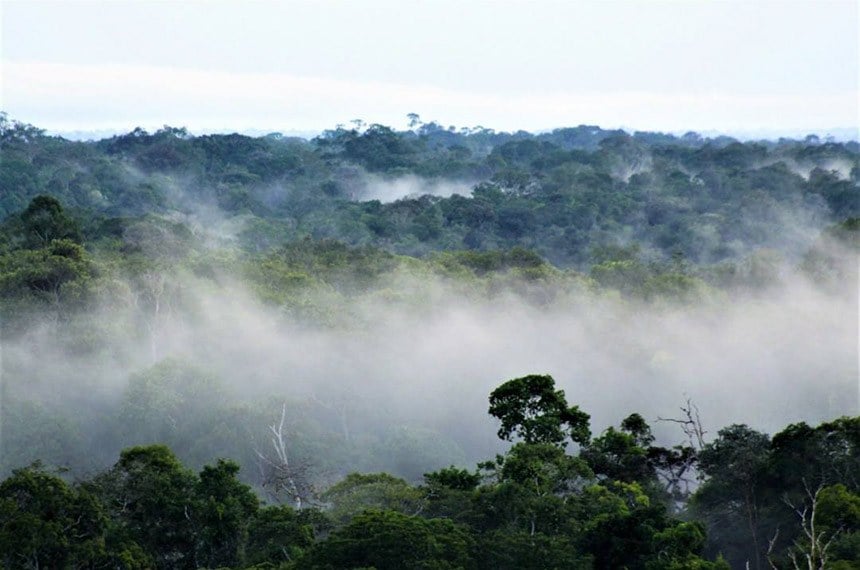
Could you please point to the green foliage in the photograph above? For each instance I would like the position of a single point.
(839, 508)
(483, 262)
(358, 492)
(620, 274)
(60, 274)
(832, 259)
(449, 493)
(105, 237)
(531, 408)
(308, 264)
(378, 149)
(838, 515)
(563, 194)
(44, 523)
(533, 485)
(279, 534)
(514, 550)
(534, 507)
(225, 507)
(629, 531)
(826, 454)
(452, 478)
(149, 484)
(729, 500)
(751, 480)
(618, 456)
(387, 540)
(44, 221)
(543, 467)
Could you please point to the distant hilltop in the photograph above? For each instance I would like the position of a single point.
(837, 134)
(101, 134)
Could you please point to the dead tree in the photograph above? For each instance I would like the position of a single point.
(678, 468)
(691, 424)
(809, 552)
(281, 476)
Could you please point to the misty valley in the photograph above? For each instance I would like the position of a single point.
(429, 348)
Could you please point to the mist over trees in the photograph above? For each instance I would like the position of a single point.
(226, 351)
(568, 194)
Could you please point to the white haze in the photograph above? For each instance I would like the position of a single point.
(841, 166)
(421, 353)
(409, 186)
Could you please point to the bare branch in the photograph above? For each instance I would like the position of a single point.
(814, 548)
(770, 545)
(691, 424)
(279, 474)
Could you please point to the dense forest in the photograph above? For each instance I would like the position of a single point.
(228, 351)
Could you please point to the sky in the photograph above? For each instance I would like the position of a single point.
(773, 67)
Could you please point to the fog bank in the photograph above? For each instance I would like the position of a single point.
(420, 355)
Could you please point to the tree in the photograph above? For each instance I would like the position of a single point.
(152, 497)
(809, 471)
(618, 456)
(449, 493)
(531, 489)
(226, 507)
(624, 528)
(802, 455)
(414, 121)
(279, 533)
(44, 221)
(453, 478)
(283, 475)
(810, 550)
(44, 523)
(358, 492)
(506, 549)
(387, 540)
(60, 271)
(532, 409)
(839, 515)
(730, 499)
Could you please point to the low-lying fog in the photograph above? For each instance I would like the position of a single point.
(409, 186)
(419, 354)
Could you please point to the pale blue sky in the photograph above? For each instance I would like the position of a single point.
(729, 66)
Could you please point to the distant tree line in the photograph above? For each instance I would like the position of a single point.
(567, 195)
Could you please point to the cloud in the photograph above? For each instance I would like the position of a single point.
(70, 96)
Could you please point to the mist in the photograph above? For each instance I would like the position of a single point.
(409, 186)
(423, 355)
(211, 307)
(841, 167)
(327, 289)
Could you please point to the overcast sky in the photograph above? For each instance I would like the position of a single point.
(730, 66)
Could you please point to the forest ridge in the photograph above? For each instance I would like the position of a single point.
(565, 194)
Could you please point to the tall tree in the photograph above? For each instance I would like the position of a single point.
(152, 496)
(44, 523)
(225, 509)
(532, 409)
(44, 221)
